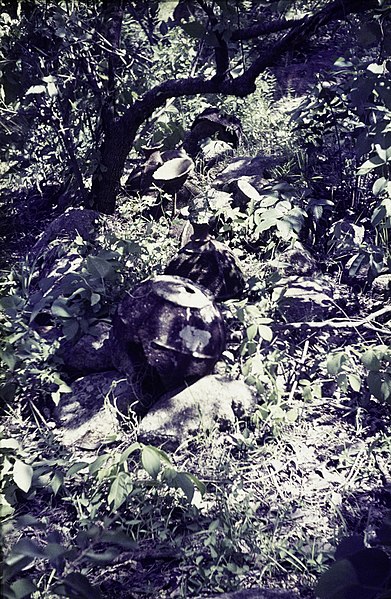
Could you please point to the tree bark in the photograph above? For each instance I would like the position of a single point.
(120, 132)
(113, 153)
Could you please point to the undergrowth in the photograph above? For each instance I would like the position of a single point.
(267, 502)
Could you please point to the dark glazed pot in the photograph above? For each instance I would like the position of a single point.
(169, 331)
(211, 264)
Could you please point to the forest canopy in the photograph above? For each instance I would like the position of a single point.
(75, 72)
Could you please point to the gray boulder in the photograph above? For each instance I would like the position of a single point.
(296, 261)
(255, 169)
(75, 221)
(91, 353)
(213, 400)
(381, 286)
(170, 330)
(88, 416)
(302, 299)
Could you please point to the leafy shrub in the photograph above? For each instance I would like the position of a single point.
(346, 366)
(82, 286)
(273, 216)
(355, 96)
(106, 488)
(359, 571)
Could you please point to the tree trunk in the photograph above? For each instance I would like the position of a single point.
(106, 180)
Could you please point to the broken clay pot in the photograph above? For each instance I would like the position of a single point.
(169, 330)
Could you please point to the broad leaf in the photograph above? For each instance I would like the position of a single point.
(151, 462)
(370, 165)
(251, 331)
(184, 482)
(79, 583)
(22, 475)
(371, 360)
(27, 547)
(104, 557)
(265, 332)
(120, 489)
(334, 363)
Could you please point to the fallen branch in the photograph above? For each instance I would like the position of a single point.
(338, 323)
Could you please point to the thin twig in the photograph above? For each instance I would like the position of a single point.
(337, 323)
(298, 372)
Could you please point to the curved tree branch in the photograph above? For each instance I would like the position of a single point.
(340, 8)
(245, 84)
(124, 128)
(264, 29)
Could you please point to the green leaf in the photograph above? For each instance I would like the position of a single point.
(79, 583)
(383, 153)
(251, 331)
(197, 483)
(9, 359)
(14, 564)
(285, 229)
(104, 557)
(265, 332)
(27, 547)
(36, 89)
(61, 310)
(163, 455)
(100, 267)
(266, 223)
(131, 449)
(151, 462)
(118, 537)
(342, 381)
(184, 482)
(380, 385)
(335, 362)
(355, 382)
(70, 328)
(378, 215)
(57, 481)
(9, 444)
(55, 550)
(379, 186)
(23, 588)
(28, 520)
(371, 360)
(98, 463)
(120, 488)
(95, 299)
(370, 165)
(269, 200)
(76, 467)
(22, 475)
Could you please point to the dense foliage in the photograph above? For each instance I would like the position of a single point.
(86, 85)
